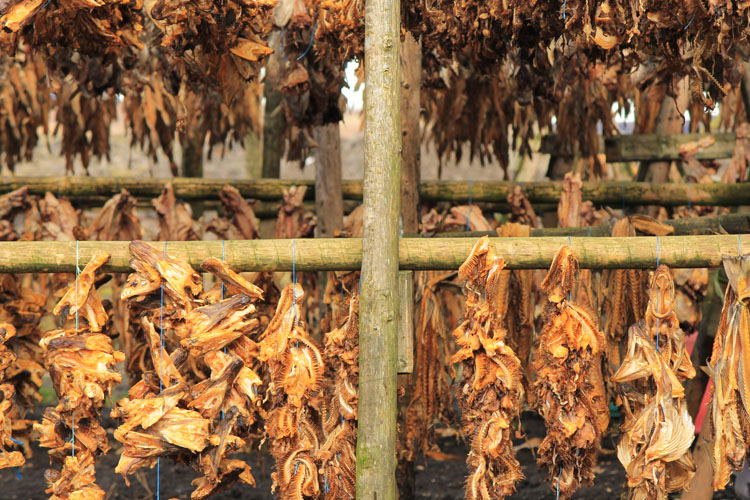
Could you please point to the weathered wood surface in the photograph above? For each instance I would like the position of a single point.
(329, 206)
(711, 224)
(653, 147)
(601, 193)
(378, 318)
(405, 321)
(411, 76)
(330, 254)
(273, 127)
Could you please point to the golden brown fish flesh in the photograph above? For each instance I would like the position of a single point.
(569, 387)
(490, 391)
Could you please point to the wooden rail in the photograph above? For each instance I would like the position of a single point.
(321, 254)
(653, 147)
(712, 224)
(600, 193)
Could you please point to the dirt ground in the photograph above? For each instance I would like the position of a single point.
(435, 480)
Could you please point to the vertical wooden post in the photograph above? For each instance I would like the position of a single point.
(253, 163)
(329, 199)
(192, 156)
(411, 79)
(273, 126)
(378, 321)
(329, 202)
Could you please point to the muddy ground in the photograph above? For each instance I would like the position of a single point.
(441, 480)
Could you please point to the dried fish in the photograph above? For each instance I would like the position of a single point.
(490, 392)
(728, 369)
(81, 363)
(569, 387)
(658, 431)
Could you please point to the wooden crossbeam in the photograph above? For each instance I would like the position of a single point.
(330, 254)
(600, 193)
(651, 147)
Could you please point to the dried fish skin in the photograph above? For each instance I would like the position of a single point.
(491, 391)
(569, 386)
(180, 281)
(658, 431)
(7, 391)
(216, 325)
(728, 369)
(82, 366)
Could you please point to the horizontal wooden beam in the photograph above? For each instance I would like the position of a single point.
(641, 147)
(600, 193)
(712, 224)
(322, 254)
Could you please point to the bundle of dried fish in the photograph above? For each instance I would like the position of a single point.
(490, 391)
(175, 217)
(569, 387)
(728, 369)
(658, 431)
(216, 43)
(24, 106)
(116, 221)
(197, 398)
(295, 367)
(81, 363)
(240, 222)
(293, 220)
(570, 213)
(336, 455)
(625, 300)
(8, 458)
(431, 401)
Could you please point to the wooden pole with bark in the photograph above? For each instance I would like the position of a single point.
(411, 76)
(414, 254)
(600, 193)
(378, 320)
(273, 126)
(329, 200)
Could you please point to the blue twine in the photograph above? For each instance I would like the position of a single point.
(295, 468)
(657, 251)
(309, 45)
(73, 426)
(78, 271)
(558, 484)
(565, 5)
(691, 20)
(18, 473)
(161, 372)
(588, 231)
(325, 482)
(19, 443)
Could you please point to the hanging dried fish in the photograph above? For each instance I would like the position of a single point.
(8, 458)
(336, 456)
(624, 303)
(569, 387)
(490, 391)
(196, 404)
(175, 218)
(658, 431)
(728, 369)
(81, 362)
